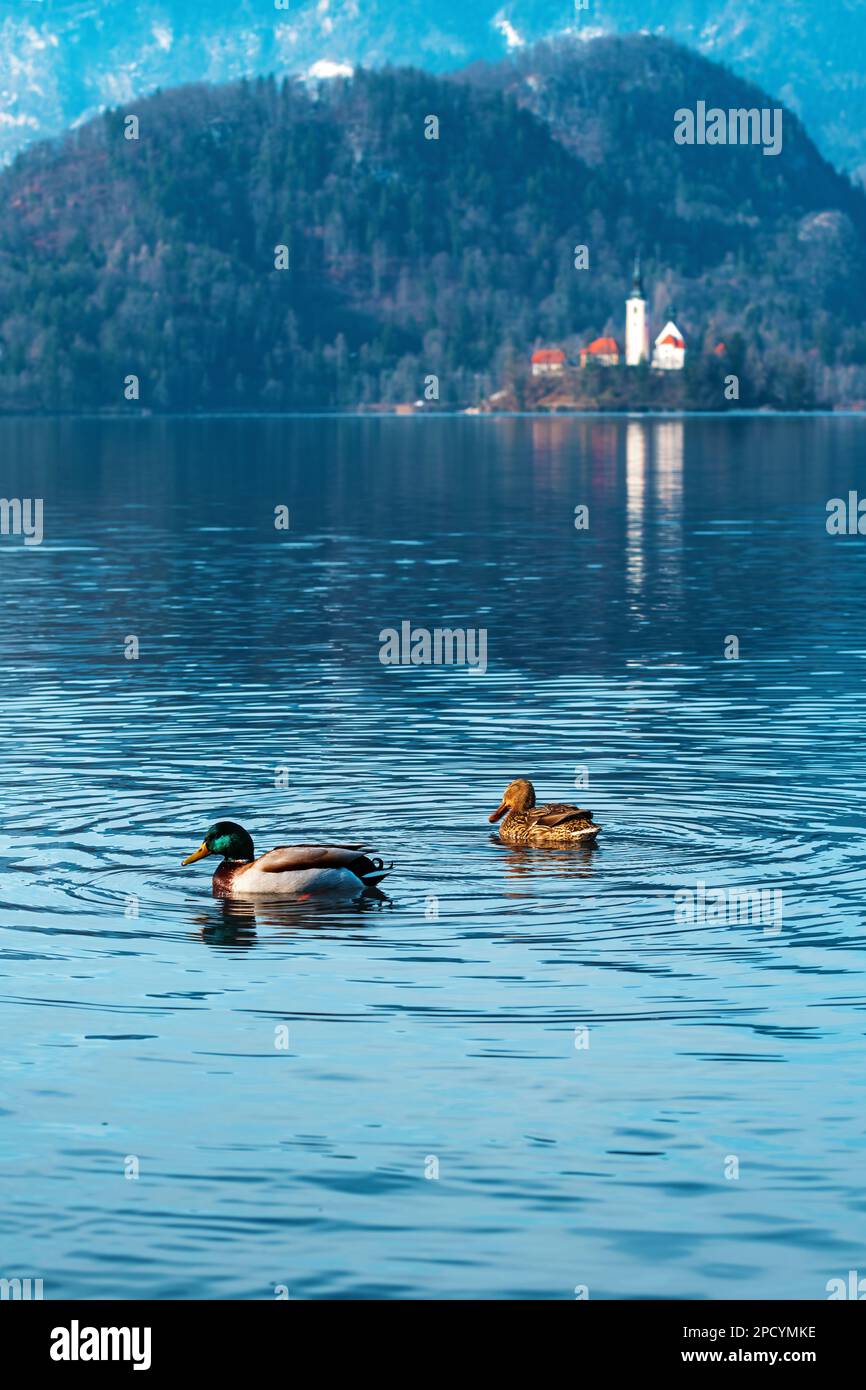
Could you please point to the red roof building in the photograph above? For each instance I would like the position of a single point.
(605, 351)
(669, 353)
(546, 360)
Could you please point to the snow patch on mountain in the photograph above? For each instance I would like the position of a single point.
(507, 30)
(586, 33)
(325, 68)
(8, 119)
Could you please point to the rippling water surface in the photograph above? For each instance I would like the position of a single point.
(619, 1091)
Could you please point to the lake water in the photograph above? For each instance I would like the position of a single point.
(628, 1083)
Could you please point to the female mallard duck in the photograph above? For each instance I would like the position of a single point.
(286, 869)
(553, 824)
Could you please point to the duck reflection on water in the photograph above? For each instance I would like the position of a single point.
(566, 861)
(237, 921)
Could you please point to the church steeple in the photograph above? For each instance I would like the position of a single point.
(636, 321)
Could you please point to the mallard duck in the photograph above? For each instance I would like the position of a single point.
(286, 869)
(553, 824)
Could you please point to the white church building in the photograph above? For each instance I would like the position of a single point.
(636, 322)
(669, 352)
(669, 349)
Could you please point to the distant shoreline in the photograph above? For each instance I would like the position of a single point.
(140, 416)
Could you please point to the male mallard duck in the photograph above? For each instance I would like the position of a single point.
(553, 824)
(286, 869)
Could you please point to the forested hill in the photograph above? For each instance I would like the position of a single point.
(412, 256)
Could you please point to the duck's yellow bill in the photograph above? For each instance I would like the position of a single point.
(201, 853)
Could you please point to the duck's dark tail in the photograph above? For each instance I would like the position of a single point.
(370, 871)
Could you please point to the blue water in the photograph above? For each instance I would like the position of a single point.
(616, 1097)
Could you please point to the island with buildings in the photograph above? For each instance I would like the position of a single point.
(668, 352)
(643, 372)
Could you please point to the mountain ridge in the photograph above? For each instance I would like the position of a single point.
(63, 60)
(413, 257)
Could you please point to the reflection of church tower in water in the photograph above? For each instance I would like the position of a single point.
(636, 322)
(653, 453)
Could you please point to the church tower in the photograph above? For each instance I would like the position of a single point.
(636, 322)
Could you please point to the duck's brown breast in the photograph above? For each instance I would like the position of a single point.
(225, 876)
(515, 829)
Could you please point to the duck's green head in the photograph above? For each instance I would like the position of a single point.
(225, 838)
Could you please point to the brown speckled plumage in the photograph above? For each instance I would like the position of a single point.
(555, 824)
